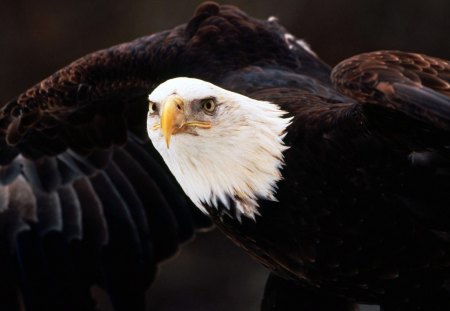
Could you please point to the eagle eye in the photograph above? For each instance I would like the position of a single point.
(152, 108)
(208, 105)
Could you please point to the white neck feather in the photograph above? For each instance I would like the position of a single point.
(238, 159)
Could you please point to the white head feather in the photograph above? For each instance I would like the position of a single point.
(238, 158)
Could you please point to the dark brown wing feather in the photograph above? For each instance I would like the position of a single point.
(92, 202)
(415, 84)
(88, 97)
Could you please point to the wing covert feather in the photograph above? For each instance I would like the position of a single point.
(414, 84)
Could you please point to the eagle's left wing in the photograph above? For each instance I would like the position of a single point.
(405, 98)
(415, 84)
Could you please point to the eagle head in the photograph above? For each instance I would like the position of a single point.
(224, 149)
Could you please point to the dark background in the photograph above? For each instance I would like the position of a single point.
(37, 38)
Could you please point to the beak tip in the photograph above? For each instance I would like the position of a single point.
(168, 142)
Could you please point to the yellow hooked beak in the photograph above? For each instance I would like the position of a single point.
(173, 118)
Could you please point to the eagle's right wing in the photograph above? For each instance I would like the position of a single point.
(84, 198)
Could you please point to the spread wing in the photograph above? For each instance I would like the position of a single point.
(414, 84)
(406, 100)
(84, 198)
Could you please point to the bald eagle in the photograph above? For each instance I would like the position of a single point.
(336, 180)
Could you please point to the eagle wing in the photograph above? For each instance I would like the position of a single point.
(84, 197)
(414, 84)
(406, 100)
